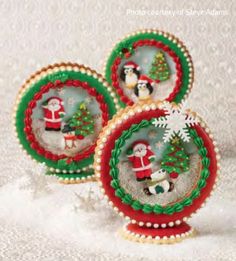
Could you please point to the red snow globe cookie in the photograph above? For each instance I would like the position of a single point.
(59, 114)
(157, 164)
(150, 64)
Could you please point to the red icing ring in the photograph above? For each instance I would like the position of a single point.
(139, 215)
(157, 44)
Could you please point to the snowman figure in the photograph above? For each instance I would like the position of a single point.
(69, 137)
(159, 183)
(141, 156)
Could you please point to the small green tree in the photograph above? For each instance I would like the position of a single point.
(159, 70)
(175, 160)
(82, 121)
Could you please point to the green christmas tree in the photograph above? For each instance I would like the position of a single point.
(159, 69)
(175, 160)
(82, 121)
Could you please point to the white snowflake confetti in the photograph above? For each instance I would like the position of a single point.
(37, 182)
(87, 202)
(176, 121)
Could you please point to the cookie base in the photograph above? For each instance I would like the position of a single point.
(153, 235)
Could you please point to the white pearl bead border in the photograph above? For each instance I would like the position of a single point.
(170, 37)
(77, 180)
(46, 71)
(117, 120)
(127, 234)
(65, 171)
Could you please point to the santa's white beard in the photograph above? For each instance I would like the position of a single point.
(141, 153)
(54, 107)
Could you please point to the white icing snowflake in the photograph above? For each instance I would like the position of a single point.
(145, 61)
(159, 145)
(152, 134)
(175, 122)
(71, 101)
(88, 100)
(60, 91)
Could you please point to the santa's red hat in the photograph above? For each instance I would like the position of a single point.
(55, 98)
(142, 142)
(145, 79)
(132, 65)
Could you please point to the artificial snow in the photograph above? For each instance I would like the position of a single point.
(78, 216)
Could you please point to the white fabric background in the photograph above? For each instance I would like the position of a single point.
(37, 33)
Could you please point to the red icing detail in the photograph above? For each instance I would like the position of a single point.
(152, 217)
(57, 82)
(79, 137)
(157, 44)
(174, 175)
(31, 105)
(161, 232)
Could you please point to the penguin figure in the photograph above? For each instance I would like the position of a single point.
(130, 73)
(144, 88)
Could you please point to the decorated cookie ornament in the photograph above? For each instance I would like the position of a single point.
(157, 55)
(59, 113)
(157, 163)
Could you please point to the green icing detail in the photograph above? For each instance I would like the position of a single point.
(59, 76)
(157, 209)
(159, 189)
(115, 183)
(28, 95)
(127, 43)
(147, 208)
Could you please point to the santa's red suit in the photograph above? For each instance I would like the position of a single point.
(141, 159)
(53, 112)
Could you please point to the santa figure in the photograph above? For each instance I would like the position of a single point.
(141, 157)
(53, 113)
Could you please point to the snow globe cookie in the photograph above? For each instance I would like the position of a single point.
(149, 64)
(59, 113)
(163, 164)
